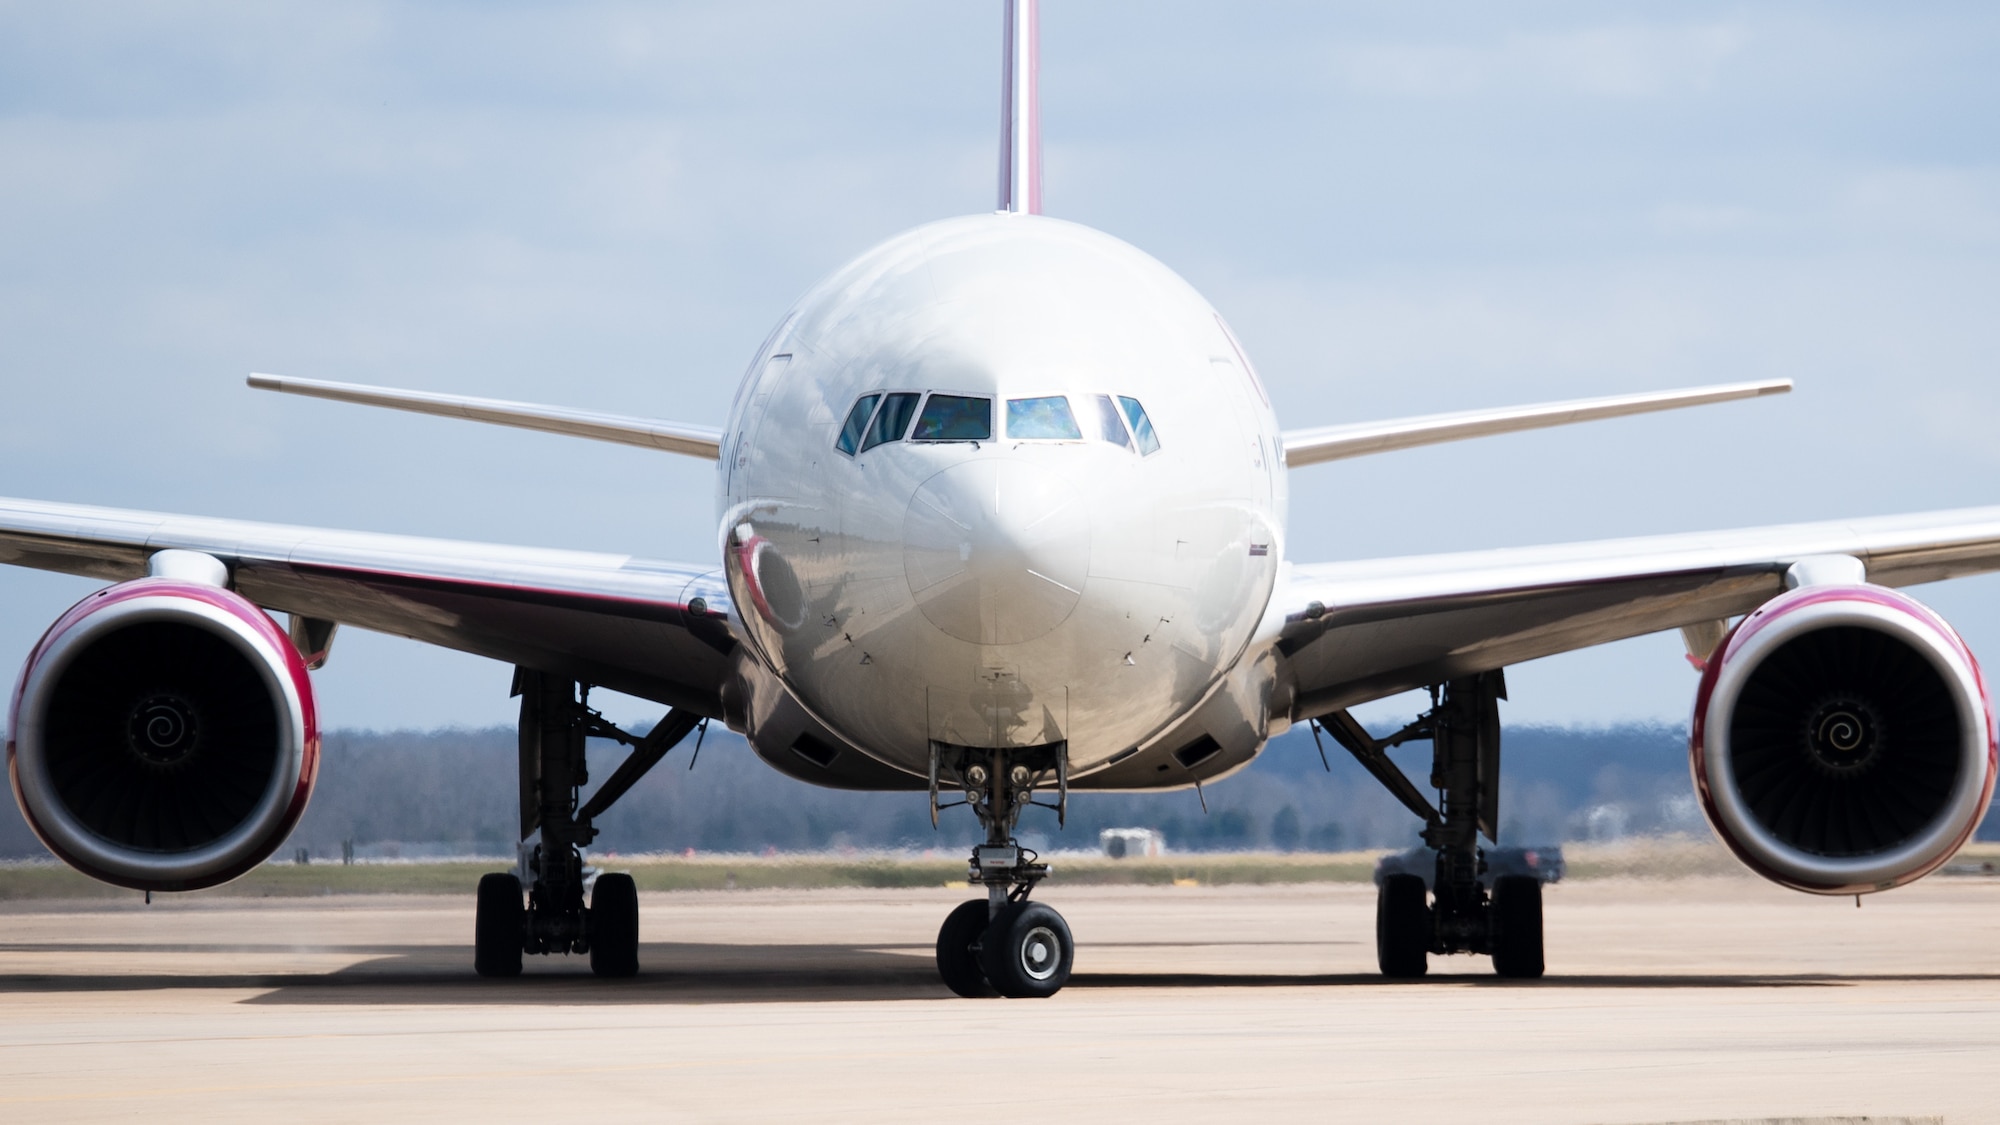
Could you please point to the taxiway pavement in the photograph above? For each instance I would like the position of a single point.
(1676, 1000)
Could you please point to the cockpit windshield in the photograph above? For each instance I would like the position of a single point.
(891, 420)
(857, 423)
(954, 418)
(1046, 418)
(1104, 420)
(1142, 426)
(879, 418)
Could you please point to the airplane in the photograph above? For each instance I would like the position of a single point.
(1002, 515)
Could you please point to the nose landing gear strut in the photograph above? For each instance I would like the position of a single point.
(1003, 943)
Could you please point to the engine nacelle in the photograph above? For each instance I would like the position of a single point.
(1843, 741)
(162, 736)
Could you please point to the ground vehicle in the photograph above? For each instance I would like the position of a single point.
(1544, 863)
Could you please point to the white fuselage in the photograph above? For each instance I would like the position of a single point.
(1008, 591)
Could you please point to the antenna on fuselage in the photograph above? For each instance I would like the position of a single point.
(1021, 108)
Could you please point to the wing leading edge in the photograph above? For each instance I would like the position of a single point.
(652, 629)
(1355, 631)
(1332, 443)
(674, 437)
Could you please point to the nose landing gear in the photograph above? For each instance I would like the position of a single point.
(1003, 943)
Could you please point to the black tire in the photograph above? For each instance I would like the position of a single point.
(614, 926)
(957, 960)
(1402, 927)
(1027, 951)
(1517, 926)
(498, 926)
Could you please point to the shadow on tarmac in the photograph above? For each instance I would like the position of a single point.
(687, 973)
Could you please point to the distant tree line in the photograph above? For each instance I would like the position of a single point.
(454, 792)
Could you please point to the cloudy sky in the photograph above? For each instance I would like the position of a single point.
(1401, 209)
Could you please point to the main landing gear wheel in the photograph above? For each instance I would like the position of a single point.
(497, 926)
(1027, 950)
(957, 960)
(614, 927)
(1403, 927)
(1517, 926)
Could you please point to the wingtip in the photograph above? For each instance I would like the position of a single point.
(1777, 387)
(264, 382)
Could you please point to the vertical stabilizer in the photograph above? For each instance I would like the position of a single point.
(1021, 109)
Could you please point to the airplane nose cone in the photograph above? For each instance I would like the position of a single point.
(996, 552)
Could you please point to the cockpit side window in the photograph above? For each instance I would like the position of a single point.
(891, 420)
(1103, 417)
(1046, 418)
(857, 423)
(954, 418)
(1142, 426)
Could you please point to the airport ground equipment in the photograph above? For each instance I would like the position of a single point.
(1543, 862)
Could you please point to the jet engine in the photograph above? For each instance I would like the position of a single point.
(1842, 740)
(162, 735)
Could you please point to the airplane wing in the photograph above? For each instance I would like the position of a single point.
(704, 442)
(1356, 631)
(652, 629)
(1359, 439)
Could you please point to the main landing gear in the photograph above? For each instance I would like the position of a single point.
(1003, 943)
(1456, 913)
(555, 721)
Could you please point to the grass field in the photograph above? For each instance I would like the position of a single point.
(1650, 858)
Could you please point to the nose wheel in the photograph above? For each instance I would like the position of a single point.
(1026, 950)
(958, 946)
(1022, 951)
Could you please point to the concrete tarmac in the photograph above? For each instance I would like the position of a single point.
(1677, 1000)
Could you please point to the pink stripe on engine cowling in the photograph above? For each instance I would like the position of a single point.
(1753, 623)
(294, 669)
